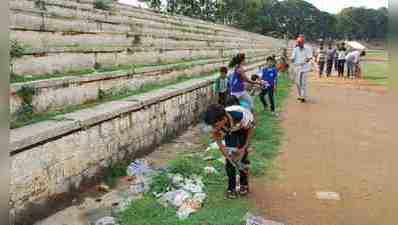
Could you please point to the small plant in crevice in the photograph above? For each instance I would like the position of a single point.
(103, 4)
(40, 4)
(102, 94)
(17, 50)
(26, 110)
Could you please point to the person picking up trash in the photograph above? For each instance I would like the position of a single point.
(234, 125)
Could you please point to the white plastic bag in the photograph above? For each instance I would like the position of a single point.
(176, 198)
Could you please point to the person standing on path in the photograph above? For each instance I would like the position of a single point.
(269, 76)
(330, 57)
(238, 79)
(321, 60)
(342, 52)
(352, 60)
(301, 58)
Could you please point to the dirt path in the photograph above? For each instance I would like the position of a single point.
(341, 141)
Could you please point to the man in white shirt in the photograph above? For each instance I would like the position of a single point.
(352, 60)
(301, 58)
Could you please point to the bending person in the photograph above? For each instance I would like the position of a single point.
(238, 79)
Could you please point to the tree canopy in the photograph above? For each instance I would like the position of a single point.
(279, 18)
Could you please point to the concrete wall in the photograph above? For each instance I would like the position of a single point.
(56, 156)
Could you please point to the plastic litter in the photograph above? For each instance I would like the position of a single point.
(175, 198)
(177, 180)
(106, 221)
(192, 187)
(184, 212)
(199, 197)
(139, 167)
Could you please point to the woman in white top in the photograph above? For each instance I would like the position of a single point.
(341, 54)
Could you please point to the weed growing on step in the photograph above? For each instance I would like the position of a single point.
(103, 4)
(217, 210)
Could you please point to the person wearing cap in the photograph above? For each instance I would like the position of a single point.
(301, 57)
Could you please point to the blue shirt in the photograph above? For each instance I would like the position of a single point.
(270, 75)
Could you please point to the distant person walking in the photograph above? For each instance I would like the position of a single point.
(353, 59)
(342, 52)
(301, 58)
(321, 60)
(330, 58)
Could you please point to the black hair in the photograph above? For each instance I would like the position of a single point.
(214, 114)
(363, 53)
(232, 100)
(237, 60)
(270, 58)
(255, 77)
(223, 69)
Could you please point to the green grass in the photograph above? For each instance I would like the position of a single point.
(376, 54)
(39, 117)
(216, 210)
(376, 73)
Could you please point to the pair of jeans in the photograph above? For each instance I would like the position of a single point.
(321, 65)
(236, 139)
(350, 69)
(341, 67)
(231, 173)
(270, 92)
(329, 67)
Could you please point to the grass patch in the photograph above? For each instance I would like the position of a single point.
(114, 172)
(376, 73)
(217, 210)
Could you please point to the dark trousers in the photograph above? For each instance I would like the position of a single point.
(222, 98)
(350, 69)
(270, 92)
(341, 67)
(236, 139)
(329, 67)
(336, 64)
(231, 173)
(321, 65)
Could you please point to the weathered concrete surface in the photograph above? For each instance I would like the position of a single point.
(57, 93)
(89, 140)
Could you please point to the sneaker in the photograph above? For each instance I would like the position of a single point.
(231, 194)
(244, 190)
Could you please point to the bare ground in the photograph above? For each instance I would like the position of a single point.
(343, 140)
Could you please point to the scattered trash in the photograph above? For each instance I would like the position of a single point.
(139, 167)
(106, 221)
(177, 180)
(184, 211)
(258, 220)
(328, 195)
(210, 170)
(199, 197)
(175, 198)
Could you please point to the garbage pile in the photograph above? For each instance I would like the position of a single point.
(185, 194)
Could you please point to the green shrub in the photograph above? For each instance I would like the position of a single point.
(17, 50)
(103, 4)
